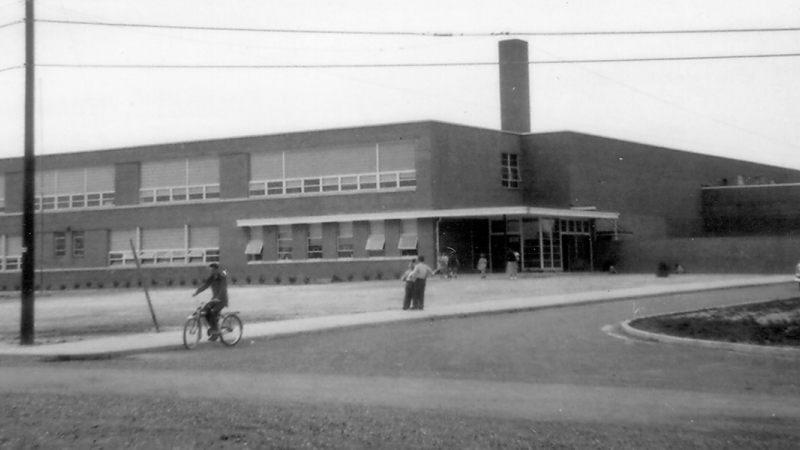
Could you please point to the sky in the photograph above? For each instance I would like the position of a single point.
(743, 108)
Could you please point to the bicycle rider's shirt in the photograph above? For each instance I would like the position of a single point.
(219, 287)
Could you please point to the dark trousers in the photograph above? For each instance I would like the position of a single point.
(212, 310)
(409, 294)
(419, 293)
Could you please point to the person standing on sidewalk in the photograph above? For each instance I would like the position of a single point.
(420, 273)
(218, 282)
(512, 259)
(409, 283)
(482, 265)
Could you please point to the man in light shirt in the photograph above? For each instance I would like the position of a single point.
(420, 273)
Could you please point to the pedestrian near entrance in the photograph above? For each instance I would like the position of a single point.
(512, 259)
(420, 273)
(483, 264)
(408, 281)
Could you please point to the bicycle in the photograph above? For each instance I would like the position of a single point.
(230, 328)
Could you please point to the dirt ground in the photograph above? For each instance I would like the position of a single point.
(68, 315)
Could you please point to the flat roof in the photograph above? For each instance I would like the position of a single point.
(524, 211)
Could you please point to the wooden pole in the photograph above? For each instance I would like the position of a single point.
(146, 292)
(28, 283)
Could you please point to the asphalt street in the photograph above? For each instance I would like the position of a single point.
(562, 364)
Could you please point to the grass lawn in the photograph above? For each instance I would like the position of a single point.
(775, 323)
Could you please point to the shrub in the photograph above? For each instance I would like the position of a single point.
(262, 279)
(127, 284)
(88, 285)
(292, 279)
(194, 281)
(350, 277)
(336, 279)
(182, 282)
(154, 282)
(63, 287)
(169, 282)
(100, 285)
(76, 285)
(247, 279)
(306, 280)
(367, 276)
(379, 275)
(278, 279)
(233, 280)
(115, 283)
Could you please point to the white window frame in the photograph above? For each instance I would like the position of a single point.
(344, 240)
(285, 243)
(511, 178)
(314, 241)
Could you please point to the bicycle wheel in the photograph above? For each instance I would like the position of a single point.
(231, 330)
(192, 332)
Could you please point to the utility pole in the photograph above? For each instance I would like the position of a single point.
(29, 163)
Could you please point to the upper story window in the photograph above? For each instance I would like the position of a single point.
(510, 164)
(317, 171)
(179, 180)
(74, 188)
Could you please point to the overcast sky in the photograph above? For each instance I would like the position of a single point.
(745, 108)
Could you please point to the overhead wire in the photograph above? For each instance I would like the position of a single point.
(425, 34)
(401, 65)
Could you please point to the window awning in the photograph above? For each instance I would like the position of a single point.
(407, 242)
(519, 211)
(254, 248)
(376, 242)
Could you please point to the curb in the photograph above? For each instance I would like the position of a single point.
(730, 346)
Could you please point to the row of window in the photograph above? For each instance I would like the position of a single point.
(345, 244)
(93, 200)
(179, 194)
(343, 183)
(164, 257)
(382, 166)
(164, 246)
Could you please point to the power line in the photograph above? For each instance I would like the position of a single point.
(367, 66)
(11, 68)
(12, 23)
(427, 34)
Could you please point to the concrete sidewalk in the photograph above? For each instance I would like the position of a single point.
(107, 347)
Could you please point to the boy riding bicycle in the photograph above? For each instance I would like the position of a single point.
(218, 282)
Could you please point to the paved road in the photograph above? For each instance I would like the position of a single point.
(542, 365)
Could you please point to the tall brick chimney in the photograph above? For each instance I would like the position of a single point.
(515, 108)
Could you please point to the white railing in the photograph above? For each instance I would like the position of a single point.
(71, 201)
(334, 183)
(164, 257)
(179, 193)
